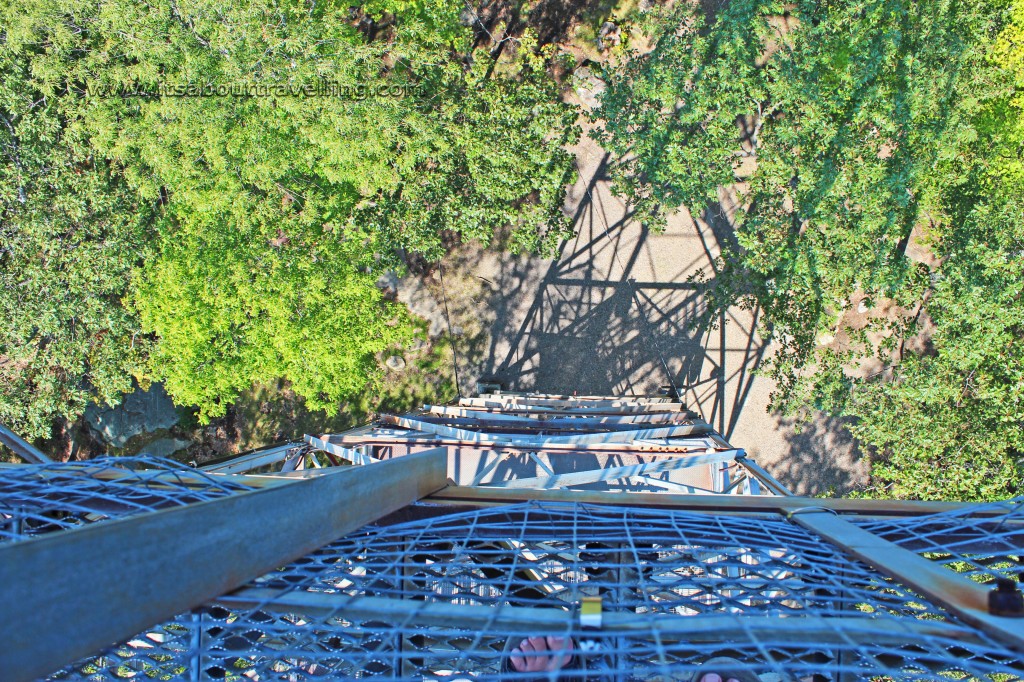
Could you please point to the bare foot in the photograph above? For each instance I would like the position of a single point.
(529, 656)
(715, 677)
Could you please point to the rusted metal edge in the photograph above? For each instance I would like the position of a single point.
(960, 595)
(472, 495)
(427, 440)
(504, 399)
(615, 473)
(445, 412)
(466, 433)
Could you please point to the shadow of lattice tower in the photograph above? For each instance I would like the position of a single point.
(621, 534)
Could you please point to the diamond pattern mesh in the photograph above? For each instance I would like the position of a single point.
(42, 498)
(983, 541)
(448, 597)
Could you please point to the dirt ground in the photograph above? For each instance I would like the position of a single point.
(614, 310)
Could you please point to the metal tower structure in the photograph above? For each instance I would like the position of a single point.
(429, 546)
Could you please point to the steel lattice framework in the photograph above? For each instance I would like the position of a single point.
(353, 556)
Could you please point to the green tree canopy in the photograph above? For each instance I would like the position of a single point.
(70, 233)
(289, 150)
(950, 423)
(865, 120)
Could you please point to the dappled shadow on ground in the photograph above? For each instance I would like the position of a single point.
(823, 458)
(551, 20)
(603, 319)
(620, 312)
(619, 307)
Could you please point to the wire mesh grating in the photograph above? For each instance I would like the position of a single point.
(442, 598)
(982, 542)
(450, 594)
(41, 498)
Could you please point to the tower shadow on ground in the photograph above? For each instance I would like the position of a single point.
(598, 323)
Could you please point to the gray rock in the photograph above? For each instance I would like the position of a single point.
(139, 412)
(395, 362)
(609, 36)
(411, 291)
(389, 280)
(588, 87)
(165, 447)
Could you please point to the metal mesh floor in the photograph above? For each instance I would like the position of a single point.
(43, 498)
(443, 598)
(983, 542)
(447, 596)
